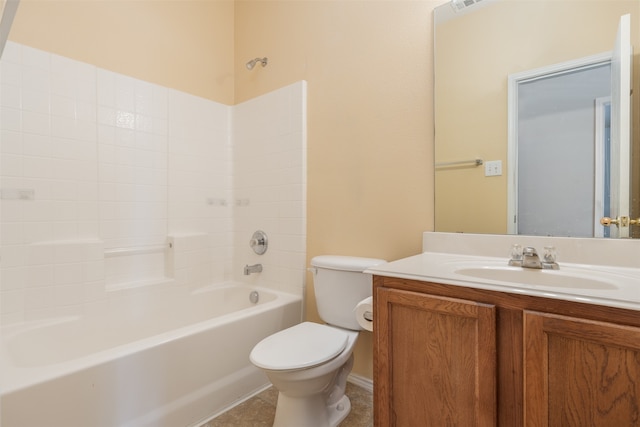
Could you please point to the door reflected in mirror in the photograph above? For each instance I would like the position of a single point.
(558, 149)
(476, 53)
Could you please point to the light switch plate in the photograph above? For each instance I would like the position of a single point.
(493, 168)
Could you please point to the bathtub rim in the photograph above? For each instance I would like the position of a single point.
(15, 378)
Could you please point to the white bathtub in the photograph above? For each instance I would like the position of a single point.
(158, 359)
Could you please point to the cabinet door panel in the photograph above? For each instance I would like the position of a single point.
(435, 361)
(580, 372)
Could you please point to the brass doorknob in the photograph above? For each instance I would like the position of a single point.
(623, 221)
(606, 221)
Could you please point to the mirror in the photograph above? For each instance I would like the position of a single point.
(479, 46)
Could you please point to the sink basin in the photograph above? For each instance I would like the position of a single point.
(547, 278)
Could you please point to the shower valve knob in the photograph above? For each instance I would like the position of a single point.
(259, 242)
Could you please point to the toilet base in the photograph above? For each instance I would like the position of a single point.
(310, 411)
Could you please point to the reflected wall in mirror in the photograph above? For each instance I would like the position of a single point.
(476, 51)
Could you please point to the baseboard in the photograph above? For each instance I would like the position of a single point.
(360, 381)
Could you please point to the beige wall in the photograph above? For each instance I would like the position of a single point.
(471, 95)
(368, 67)
(369, 71)
(182, 44)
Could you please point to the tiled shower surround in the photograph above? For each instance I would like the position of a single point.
(110, 182)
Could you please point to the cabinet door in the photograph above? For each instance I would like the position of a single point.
(580, 372)
(435, 361)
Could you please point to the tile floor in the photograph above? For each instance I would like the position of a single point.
(260, 410)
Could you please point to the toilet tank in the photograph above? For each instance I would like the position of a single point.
(339, 285)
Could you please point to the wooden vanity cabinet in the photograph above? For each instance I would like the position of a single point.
(454, 356)
(432, 349)
(579, 372)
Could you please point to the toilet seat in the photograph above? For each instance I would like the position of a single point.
(302, 346)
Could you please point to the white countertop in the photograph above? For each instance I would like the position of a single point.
(579, 282)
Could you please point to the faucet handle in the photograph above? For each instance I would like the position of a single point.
(515, 255)
(516, 252)
(549, 254)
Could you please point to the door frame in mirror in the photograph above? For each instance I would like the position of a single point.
(602, 166)
(512, 120)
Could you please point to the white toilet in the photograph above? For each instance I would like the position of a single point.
(309, 363)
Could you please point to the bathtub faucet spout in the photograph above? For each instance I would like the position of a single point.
(256, 268)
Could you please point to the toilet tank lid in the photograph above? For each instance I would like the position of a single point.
(345, 263)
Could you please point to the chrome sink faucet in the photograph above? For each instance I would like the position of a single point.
(528, 258)
(256, 268)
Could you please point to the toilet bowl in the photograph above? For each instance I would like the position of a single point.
(312, 377)
(309, 363)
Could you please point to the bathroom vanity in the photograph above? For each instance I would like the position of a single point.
(454, 346)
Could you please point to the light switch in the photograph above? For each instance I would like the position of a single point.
(493, 168)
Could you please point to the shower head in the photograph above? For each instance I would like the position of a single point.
(253, 62)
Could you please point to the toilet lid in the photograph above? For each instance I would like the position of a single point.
(302, 346)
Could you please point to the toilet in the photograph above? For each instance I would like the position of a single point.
(309, 363)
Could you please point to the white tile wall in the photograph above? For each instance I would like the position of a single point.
(49, 121)
(132, 167)
(200, 175)
(50, 278)
(189, 259)
(269, 170)
(104, 161)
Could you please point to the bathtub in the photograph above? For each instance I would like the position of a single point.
(161, 359)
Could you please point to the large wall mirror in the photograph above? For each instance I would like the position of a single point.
(528, 103)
